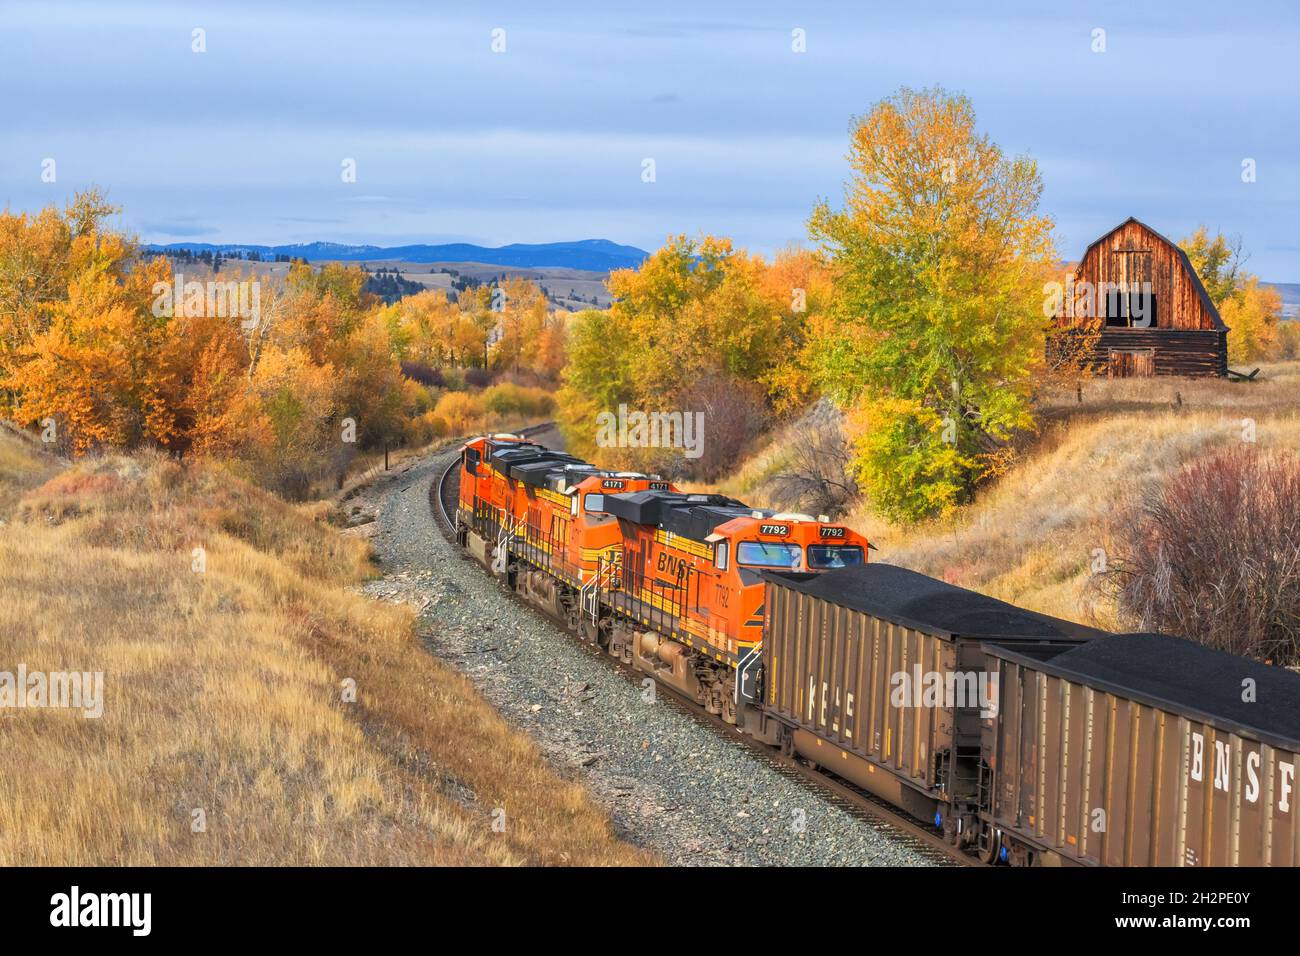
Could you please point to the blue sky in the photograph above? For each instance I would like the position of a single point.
(545, 141)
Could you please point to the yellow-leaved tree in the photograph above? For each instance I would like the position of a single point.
(1252, 313)
(936, 331)
(699, 327)
(1250, 310)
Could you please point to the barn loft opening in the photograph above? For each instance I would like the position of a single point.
(1131, 308)
(1130, 295)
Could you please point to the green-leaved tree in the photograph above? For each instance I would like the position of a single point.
(937, 326)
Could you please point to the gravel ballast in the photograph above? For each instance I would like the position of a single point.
(671, 783)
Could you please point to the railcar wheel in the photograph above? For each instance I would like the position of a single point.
(990, 846)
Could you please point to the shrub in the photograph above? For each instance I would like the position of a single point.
(818, 479)
(462, 412)
(1287, 343)
(426, 375)
(1213, 554)
(509, 400)
(734, 414)
(477, 378)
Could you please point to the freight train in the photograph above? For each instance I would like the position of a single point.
(1025, 739)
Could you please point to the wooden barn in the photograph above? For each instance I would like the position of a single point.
(1147, 307)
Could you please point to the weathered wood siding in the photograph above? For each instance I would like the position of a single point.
(1187, 336)
(1174, 352)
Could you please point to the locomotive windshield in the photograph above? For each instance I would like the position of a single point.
(768, 554)
(823, 556)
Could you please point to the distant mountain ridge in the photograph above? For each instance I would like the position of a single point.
(595, 255)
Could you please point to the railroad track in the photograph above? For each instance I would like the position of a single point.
(915, 835)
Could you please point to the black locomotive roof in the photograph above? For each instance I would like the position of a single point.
(536, 470)
(692, 516)
(918, 601)
(523, 460)
(1186, 677)
(506, 449)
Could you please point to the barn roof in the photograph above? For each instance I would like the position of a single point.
(1197, 284)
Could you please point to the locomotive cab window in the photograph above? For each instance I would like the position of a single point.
(573, 506)
(767, 554)
(471, 461)
(823, 556)
(720, 555)
(594, 504)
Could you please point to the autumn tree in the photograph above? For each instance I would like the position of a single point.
(40, 255)
(475, 326)
(1217, 260)
(422, 328)
(799, 284)
(695, 313)
(545, 349)
(598, 377)
(93, 372)
(1251, 311)
(521, 318)
(937, 327)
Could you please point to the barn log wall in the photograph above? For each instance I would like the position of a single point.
(1175, 352)
(1187, 337)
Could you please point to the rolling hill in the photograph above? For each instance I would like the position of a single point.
(593, 255)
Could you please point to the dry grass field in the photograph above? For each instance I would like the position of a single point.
(224, 691)
(1031, 536)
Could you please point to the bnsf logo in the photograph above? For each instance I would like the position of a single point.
(832, 532)
(773, 529)
(611, 483)
(673, 567)
(1284, 784)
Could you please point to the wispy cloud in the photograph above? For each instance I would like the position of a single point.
(546, 140)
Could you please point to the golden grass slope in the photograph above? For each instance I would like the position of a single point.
(1032, 537)
(224, 693)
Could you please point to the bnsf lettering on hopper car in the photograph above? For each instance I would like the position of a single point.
(1252, 761)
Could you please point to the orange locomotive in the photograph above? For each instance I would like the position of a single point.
(533, 517)
(668, 582)
(688, 602)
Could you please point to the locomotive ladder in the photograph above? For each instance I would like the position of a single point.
(506, 535)
(590, 594)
